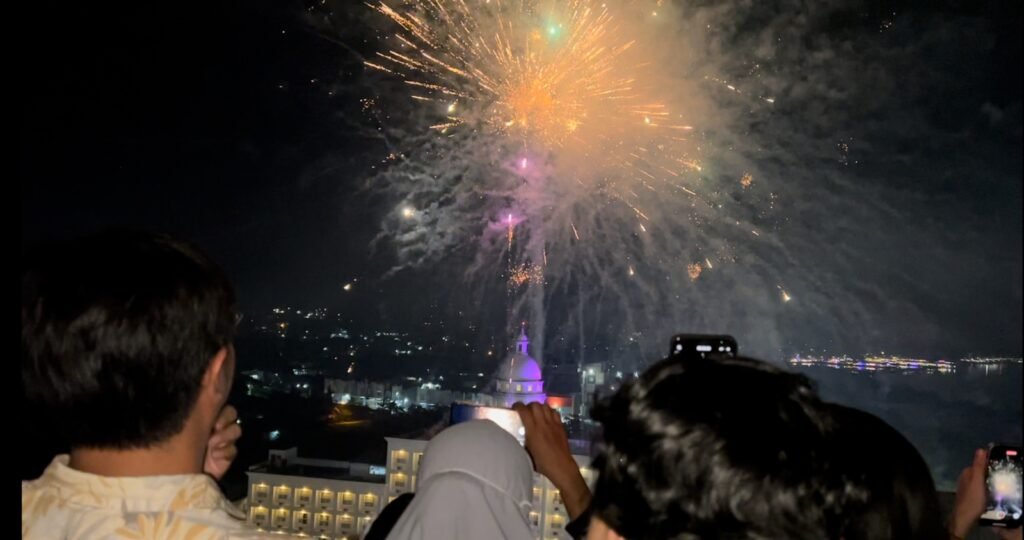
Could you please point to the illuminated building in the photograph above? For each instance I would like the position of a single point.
(562, 404)
(518, 377)
(592, 385)
(314, 497)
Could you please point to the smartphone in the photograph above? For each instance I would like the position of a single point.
(506, 419)
(1003, 484)
(696, 346)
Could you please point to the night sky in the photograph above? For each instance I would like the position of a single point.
(230, 124)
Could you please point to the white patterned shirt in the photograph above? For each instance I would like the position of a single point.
(69, 504)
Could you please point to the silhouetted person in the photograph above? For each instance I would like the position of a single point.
(724, 448)
(890, 493)
(127, 347)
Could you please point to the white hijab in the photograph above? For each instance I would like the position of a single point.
(475, 483)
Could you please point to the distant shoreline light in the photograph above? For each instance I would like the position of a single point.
(878, 363)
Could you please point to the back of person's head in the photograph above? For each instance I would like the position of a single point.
(474, 481)
(480, 449)
(725, 448)
(119, 330)
(892, 492)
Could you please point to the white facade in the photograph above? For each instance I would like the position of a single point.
(548, 516)
(338, 509)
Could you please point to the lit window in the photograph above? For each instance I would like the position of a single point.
(519, 388)
(260, 516)
(260, 492)
(325, 498)
(345, 523)
(282, 494)
(346, 499)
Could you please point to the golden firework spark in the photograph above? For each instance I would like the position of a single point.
(553, 74)
(511, 232)
(747, 180)
(694, 270)
(526, 273)
(539, 70)
(577, 79)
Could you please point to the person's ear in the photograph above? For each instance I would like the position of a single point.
(219, 374)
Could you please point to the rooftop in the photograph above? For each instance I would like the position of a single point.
(313, 471)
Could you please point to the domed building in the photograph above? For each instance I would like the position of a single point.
(518, 377)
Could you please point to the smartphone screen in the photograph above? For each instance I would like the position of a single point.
(1003, 482)
(693, 346)
(507, 419)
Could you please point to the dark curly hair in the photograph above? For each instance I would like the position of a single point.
(723, 448)
(895, 497)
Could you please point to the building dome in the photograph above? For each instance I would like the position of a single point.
(518, 377)
(518, 367)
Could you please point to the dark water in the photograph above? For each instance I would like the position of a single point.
(946, 416)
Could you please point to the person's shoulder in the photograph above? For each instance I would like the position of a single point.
(229, 522)
(222, 526)
(32, 490)
(43, 512)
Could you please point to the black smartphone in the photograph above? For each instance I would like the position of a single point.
(1003, 484)
(506, 419)
(695, 346)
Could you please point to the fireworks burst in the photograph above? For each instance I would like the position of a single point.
(550, 76)
(526, 273)
(694, 270)
(563, 115)
(547, 72)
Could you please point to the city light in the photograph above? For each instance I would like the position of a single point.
(876, 364)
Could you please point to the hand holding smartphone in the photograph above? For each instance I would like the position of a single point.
(1003, 487)
(506, 419)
